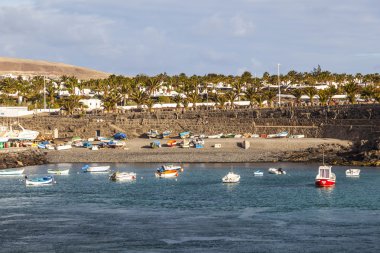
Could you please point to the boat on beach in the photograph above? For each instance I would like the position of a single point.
(231, 178)
(276, 171)
(95, 169)
(39, 181)
(171, 143)
(353, 172)
(166, 134)
(278, 135)
(258, 173)
(11, 172)
(325, 177)
(58, 172)
(216, 136)
(184, 135)
(63, 147)
(152, 133)
(123, 176)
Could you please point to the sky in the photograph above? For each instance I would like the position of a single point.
(133, 37)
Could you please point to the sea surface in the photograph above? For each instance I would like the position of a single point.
(195, 212)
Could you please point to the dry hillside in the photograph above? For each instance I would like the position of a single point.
(17, 66)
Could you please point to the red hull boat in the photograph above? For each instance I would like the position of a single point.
(325, 177)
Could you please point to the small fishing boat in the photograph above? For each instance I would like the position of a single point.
(258, 173)
(39, 181)
(123, 176)
(216, 136)
(155, 144)
(120, 136)
(166, 134)
(152, 133)
(171, 143)
(171, 167)
(11, 172)
(95, 169)
(116, 144)
(185, 144)
(325, 177)
(276, 171)
(58, 172)
(278, 135)
(63, 147)
(166, 173)
(184, 135)
(353, 172)
(231, 178)
(95, 147)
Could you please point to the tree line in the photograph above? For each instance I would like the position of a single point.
(139, 90)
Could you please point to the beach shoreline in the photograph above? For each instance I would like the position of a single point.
(231, 151)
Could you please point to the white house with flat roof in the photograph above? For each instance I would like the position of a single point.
(92, 103)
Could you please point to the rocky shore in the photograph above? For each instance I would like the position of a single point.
(14, 158)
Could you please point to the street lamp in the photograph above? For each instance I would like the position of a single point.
(279, 87)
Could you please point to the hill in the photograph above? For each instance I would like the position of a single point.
(27, 67)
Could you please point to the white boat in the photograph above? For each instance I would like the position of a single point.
(48, 180)
(216, 136)
(279, 135)
(297, 136)
(166, 173)
(275, 171)
(123, 176)
(11, 172)
(95, 147)
(58, 172)
(95, 169)
(231, 178)
(185, 144)
(171, 167)
(63, 147)
(20, 133)
(353, 172)
(258, 173)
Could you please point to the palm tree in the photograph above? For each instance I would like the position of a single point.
(351, 89)
(368, 92)
(139, 97)
(70, 103)
(270, 95)
(323, 96)
(260, 98)
(298, 94)
(152, 85)
(250, 94)
(177, 99)
(194, 98)
(311, 92)
(220, 100)
(230, 96)
(149, 103)
(110, 101)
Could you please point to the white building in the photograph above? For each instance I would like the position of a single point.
(14, 111)
(92, 103)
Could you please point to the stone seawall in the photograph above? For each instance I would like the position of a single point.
(351, 122)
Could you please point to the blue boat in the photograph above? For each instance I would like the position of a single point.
(48, 180)
(184, 135)
(120, 136)
(87, 144)
(155, 144)
(199, 145)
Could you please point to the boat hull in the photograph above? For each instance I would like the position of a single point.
(123, 176)
(324, 182)
(40, 181)
(96, 169)
(11, 172)
(59, 172)
(167, 174)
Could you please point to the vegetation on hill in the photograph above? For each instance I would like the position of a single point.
(184, 90)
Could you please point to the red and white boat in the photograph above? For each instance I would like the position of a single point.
(325, 177)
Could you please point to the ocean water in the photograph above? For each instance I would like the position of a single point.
(193, 213)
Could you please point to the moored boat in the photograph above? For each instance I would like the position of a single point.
(325, 177)
(95, 169)
(276, 171)
(258, 173)
(11, 172)
(39, 181)
(123, 176)
(58, 172)
(353, 172)
(166, 173)
(231, 178)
